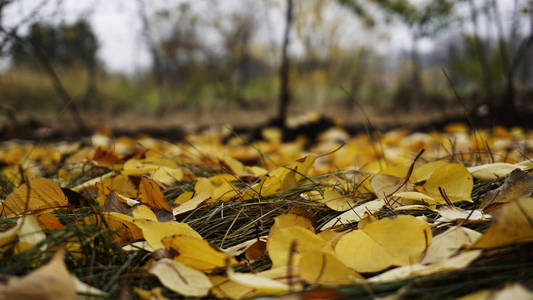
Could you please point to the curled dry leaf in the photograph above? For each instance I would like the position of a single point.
(518, 184)
(512, 223)
(494, 171)
(449, 242)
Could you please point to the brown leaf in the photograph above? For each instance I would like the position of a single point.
(151, 195)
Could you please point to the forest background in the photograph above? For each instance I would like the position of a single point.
(194, 63)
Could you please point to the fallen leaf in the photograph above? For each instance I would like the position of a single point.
(494, 171)
(180, 278)
(153, 294)
(336, 201)
(50, 282)
(511, 224)
(384, 185)
(29, 233)
(36, 194)
(191, 204)
(257, 282)
(197, 253)
(457, 214)
(458, 262)
(388, 242)
(151, 195)
(325, 269)
(454, 179)
(518, 184)
(280, 241)
(154, 231)
(224, 287)
(423, 172)
(448, 243)
(355, 214)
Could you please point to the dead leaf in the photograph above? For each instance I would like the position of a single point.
(388, 242)
(197, 253)
(151, 195)
(180, 278)
(511, 224)
(325, 269)
(50, 282)
(36, 194)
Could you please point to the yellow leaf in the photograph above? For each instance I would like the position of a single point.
(258, 282)
(191, 204)
(242, 247)
(197, 253)
(384, 185)
(153, 294)
(223, 287)
(337, 202)
(494, 171)
(325, 269)
(50, 282)
(355, 214)
(280, 241)
(454, 214)
(449, 242)
(151, 195)
(388, 242)
(409, 198)
(180, 278)
(154, 231)
(289, 220)
(458, 262)
(37, 194)
(183, 197)
(121, 184)
(512, 224)
(423, 172)
(126, 230)
(144, 212)
(454, 179)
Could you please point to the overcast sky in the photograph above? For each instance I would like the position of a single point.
(122, 48)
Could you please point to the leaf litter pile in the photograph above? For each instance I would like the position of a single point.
(397, 214)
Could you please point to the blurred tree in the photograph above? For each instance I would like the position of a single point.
(284, 71)
(65, 45)
(422, 19)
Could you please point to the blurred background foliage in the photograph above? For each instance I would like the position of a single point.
(213, 58)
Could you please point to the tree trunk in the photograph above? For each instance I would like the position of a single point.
(285, 94)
